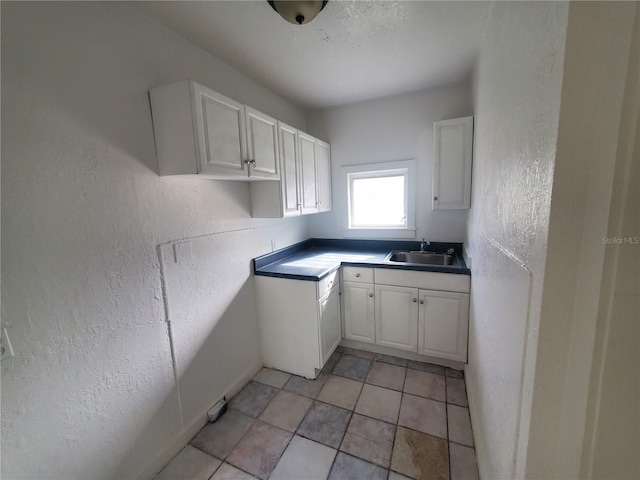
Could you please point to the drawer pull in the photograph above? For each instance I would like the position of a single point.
(357, 274)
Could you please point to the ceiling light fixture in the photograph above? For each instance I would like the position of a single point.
(298, 12)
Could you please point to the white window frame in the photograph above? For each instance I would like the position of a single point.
(407, 168)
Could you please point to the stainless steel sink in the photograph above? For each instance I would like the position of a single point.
(419, 258)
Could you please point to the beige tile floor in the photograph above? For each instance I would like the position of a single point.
(366, 417)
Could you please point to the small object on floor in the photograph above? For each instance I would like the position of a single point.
(217, 410)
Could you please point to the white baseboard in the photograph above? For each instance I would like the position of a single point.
(370, 347)
(194, 426)
(475, 414)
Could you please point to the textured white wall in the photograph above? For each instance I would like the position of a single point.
(612, 440)
(517, 87)
(90, 392)
(393, 128)
(549, 95)
(597, 52)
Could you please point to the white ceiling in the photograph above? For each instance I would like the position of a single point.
(352, 51)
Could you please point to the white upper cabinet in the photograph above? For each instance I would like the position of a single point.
(202, 133)
(305, 178)
(220, 133)
(290, 188)
(323, 160)
(262, 144)
(308, 190)
(452, 156)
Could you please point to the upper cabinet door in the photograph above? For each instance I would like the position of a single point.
(307, 152)
(452, 156)
(290, 186)
(323, 158)
(262, 144)
(221, 133)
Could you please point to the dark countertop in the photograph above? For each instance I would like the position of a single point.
(315, 258)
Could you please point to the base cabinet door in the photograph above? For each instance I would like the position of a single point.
(329, 317)
(396, 314)
(359, 304)
(443, 324)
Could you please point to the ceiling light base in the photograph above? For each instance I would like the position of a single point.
(298, 12)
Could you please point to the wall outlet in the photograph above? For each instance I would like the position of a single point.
(5, 345)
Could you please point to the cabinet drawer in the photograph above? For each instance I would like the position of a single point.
(450, 282)
(327, 283)
(357, 274)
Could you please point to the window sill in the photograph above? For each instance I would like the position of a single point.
(379, 233)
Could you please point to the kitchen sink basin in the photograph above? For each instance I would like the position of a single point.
(419, 258)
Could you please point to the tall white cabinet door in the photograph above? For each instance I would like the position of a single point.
(323, 157)
(262, 144)
(358, 304)
(329, 316)
(289, 167)
(397, 317)
(307, 152)
(443, 324)
(220, 124)
(452, 156)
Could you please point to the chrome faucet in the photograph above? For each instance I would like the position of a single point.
(424, 245)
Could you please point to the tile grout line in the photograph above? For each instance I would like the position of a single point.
(371, 363)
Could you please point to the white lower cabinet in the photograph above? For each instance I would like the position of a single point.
(358, 308)
(396, 317)
(406, 310)
(358, 304)
(443, 324)
(299, 322)
(329, 319)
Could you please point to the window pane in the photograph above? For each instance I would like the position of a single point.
(378, 201)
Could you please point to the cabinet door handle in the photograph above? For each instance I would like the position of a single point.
(415, 300)
(421, 302)
(357, 274)
(435, 198)
(371, 294)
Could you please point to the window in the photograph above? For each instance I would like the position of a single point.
(381, 200)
